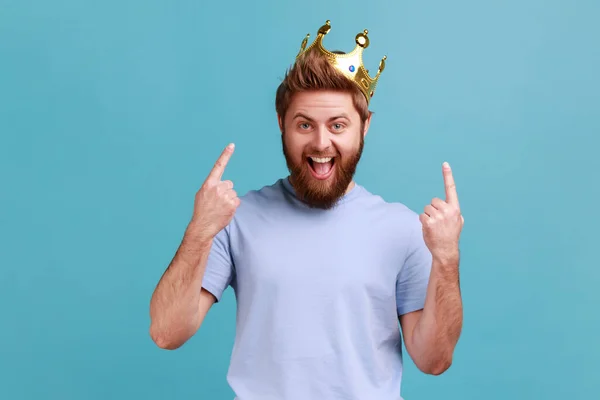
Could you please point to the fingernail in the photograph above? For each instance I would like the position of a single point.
(230, 146)
(446, 165)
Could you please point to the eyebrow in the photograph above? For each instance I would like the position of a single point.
(306, 117)
(300, 115)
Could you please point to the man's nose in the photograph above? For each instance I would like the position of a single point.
(321, 139)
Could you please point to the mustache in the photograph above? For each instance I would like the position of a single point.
(320, 154)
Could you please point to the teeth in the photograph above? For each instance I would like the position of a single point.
(321, 160)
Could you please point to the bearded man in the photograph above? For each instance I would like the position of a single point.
(328, 277)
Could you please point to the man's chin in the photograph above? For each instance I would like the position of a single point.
(319, 192)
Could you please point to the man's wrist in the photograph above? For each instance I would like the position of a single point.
(195, 242)
(447, 260)
(196, 233)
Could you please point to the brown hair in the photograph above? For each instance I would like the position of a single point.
(312, 71)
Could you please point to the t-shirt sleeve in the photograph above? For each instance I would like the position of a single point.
(219, 266)
(411, 284)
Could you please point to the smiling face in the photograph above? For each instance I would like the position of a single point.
(323, 138)
(323, 117)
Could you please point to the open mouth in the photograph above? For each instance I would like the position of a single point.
(321, 167)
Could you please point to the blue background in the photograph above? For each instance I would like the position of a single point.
(113, 112)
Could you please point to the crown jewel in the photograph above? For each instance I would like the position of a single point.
(350, 64)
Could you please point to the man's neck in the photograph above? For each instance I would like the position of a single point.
(350, 186)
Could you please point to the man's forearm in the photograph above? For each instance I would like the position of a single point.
(437, 331)
(174, 304)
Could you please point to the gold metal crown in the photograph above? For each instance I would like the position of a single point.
(350, 64)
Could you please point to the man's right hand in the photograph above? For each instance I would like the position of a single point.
(216, 201)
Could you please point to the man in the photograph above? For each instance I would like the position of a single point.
(323, 271)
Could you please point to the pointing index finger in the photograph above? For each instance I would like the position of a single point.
(451, 195)
(217, 172)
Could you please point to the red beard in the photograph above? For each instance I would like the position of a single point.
(317, 193)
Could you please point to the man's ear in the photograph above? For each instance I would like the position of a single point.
(367, 123)
(280, 122)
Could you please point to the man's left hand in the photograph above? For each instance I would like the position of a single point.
(442, 222)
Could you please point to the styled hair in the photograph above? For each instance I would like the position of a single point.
(313, 72)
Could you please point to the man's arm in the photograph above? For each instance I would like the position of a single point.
(179, 304)
(431, 334)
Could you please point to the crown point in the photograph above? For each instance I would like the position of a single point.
(381, 65)
(324, 30)
(362, 40)
(366, 32)
(304, 43)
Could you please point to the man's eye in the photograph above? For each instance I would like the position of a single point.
(305, 126)
(337, 127)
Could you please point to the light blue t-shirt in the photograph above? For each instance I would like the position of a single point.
(318, 294)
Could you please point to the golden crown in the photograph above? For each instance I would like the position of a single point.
(350, 64)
